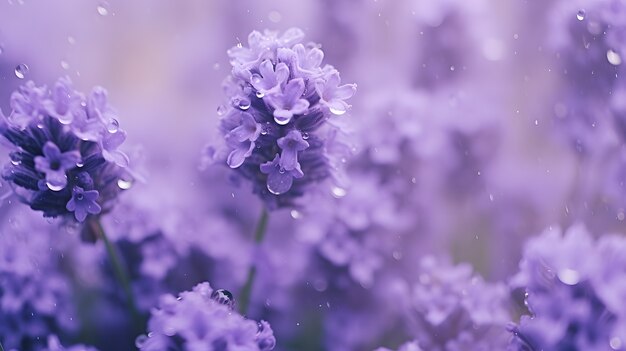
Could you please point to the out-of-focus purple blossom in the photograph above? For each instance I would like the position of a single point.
(55, 345)
(64, 160)
(574, 303)
(196, 321)
(37, 295)
(453, 309)
(409, 346)
(282, 103)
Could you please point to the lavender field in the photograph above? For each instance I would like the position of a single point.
(336, 175)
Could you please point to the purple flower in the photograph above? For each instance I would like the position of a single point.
(83, 203)
(280, 101)
(195, 321)
(574, 303)
(54, 164)
(65, 159)
(453, 309)
(55, 345)
(279, 179)
(289, 102)
(332, 95)
(409, 346)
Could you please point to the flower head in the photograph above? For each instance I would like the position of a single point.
(65, 160)
(202, 319)
(277, 126)
(574, 303)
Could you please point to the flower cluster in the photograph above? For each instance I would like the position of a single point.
(454, 309)
(203, 319)
(65, 159)
(575, 304)
(277, 126)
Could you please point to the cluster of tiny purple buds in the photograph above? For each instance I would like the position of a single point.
(203, 319)
(65, 159)
(574, 304)
(277, 125)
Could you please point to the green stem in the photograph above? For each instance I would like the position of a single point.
(1, 348)
(118, 269)
(246, 291)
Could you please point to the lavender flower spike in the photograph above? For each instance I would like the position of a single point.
(275, 124)
(65, 161)
(574, 304)
(202, 320)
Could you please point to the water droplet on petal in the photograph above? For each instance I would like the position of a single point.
(244, 104)
(103, 9)
(338, 192)
(239, 45)
(260, 94)
(223, 297)
(141, 341)
(54, 187)
(21, 70)
(124, 184)
(305, 135)
(613, 57)
(615, 343)
(337, 111)
(569, 276)
(580, 15)
(113, 126)
(282, 120)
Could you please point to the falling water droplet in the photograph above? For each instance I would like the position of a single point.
(124, 184)
(613, 57)
(280, 120)
(338, 192)
(21, 70)
(55, 187)
(113, 126)
(580, 15)
(569, 276)
(223, 297)
(103, 9)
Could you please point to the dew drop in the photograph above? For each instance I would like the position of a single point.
(21, 70)
(103, 9)
(223, 297)
(141, 340)
(569, 276)
(244, 104)
(54, 187)
(113, 126)
(615, 343)
(272, 190)
(337, 111)
(580, 15)
(305, 136)
(295, 214)
(124, 184)
(338, 192)
(613, 57)
(260, 94)
(282, 120)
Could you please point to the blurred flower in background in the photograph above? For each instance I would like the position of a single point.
(477, 124)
